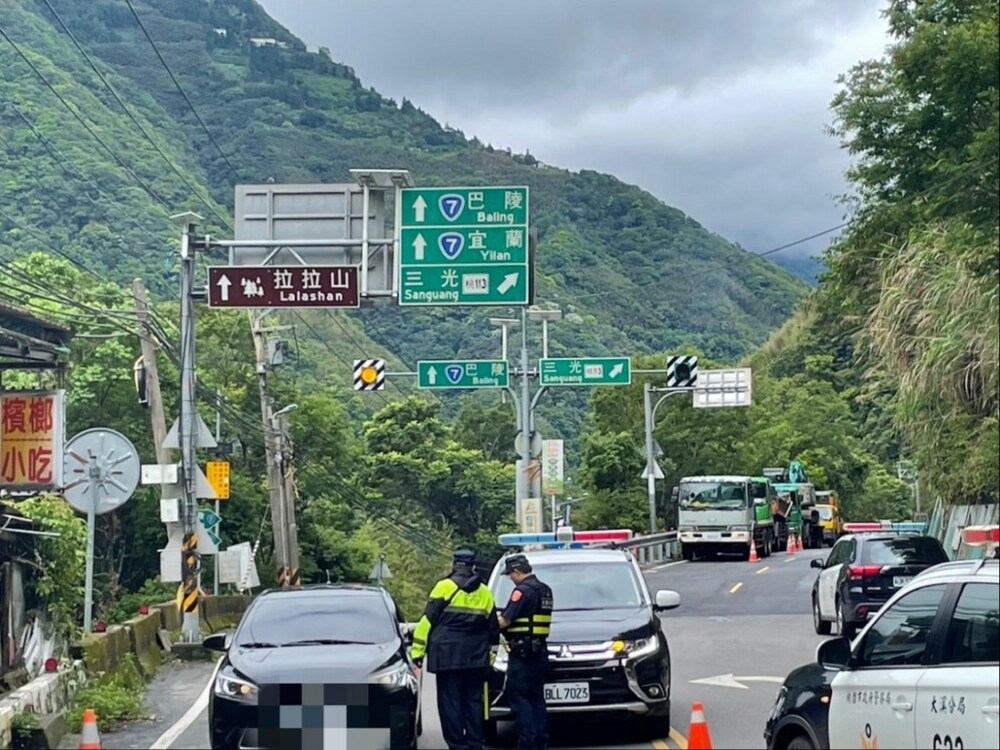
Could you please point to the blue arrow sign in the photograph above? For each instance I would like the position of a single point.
(451, 205)
(454, 373)
(451, 244)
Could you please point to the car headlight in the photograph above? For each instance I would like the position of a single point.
(395, 675)
(228, 685)
(685, 528)
(739, 528)
(636, 649)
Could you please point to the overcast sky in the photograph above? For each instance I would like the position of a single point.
(717, 107)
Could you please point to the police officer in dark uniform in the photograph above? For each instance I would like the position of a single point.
(525, 622)
(456, 633)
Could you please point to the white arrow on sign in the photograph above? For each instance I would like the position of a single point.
(432, 375)
(419, 206)
(616, 370)
(508, 283)
(224, 283)
(418, 246)
(728, 680)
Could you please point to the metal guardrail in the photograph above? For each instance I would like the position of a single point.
(651, 549)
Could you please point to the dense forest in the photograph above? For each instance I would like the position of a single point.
(895, 355)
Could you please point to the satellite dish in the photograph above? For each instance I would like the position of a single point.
(102, 470)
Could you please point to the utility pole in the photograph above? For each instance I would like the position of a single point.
(188, 435)
(524, 404)
(289, 525)
(218, 439)
(647, 404)
(154, 397)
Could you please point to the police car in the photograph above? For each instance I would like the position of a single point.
(607, 649)
(924, 672)
(865, 567)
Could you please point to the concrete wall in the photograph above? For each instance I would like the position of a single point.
(47, 694)
(99, 653)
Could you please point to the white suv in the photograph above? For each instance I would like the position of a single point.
(925, 671)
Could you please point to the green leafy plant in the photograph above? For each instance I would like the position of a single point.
(115, 698)
(22, 728)
(59, 561)
(127, 607)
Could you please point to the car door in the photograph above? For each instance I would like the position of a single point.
(829, 575)
(958, 699)
(872, 701)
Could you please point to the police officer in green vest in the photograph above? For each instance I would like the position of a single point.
(526, 621)
(456, 634)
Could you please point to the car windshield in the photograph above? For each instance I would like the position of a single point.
(915, 550)
(315, 620)
(825, 512)
(580, 586)
(713, 495)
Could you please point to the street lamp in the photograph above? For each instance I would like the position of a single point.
(538, 313)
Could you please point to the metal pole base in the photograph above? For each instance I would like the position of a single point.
(192, 628)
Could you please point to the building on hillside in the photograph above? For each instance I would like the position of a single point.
(32, 437)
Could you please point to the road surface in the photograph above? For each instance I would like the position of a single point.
(740, 629)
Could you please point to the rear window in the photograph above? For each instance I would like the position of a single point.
(915, 550)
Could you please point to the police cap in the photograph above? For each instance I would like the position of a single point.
(517, 563)
(464, 557)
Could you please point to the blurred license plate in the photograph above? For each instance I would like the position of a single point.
(567, 692)
(713, 535)
(898, 581)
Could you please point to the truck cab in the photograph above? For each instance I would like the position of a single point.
(725, 514)
(831, 526)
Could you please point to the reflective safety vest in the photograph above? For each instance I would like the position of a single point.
(457, 628)
(537, 623)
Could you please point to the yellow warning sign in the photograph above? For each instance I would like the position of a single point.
(217, 473)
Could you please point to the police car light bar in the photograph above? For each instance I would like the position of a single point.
(977, 536)
(565, 539)
(907, 527)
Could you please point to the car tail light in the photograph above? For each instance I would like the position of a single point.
(857, 572)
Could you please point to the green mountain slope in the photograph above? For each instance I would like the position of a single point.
(632, 274)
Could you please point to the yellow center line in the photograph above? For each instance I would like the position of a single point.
(679, 739)
(661, 745)
(766, 567)
(735, 588)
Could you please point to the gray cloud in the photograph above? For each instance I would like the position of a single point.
(715, 107)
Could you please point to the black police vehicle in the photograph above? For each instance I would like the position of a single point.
(866, 566)
(329, 649)
(608, 653)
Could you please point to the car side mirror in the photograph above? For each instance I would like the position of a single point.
(217, 642)
(406, 632)
(834, 653)
(667, 599)
(816, 563)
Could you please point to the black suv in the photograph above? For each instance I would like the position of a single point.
(310, 659)
(607, 649)
(863, 570)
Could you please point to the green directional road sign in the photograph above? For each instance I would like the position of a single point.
(480, 373)
(464, 246)
(209, 518)
(586, 371)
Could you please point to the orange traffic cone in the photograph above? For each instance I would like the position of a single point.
(698, 738)
(753, 553)
(90, 739)
(790, 546)
(798, 543)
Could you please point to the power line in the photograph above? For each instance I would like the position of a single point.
(132, 117)
(152, 193)
(181, 90)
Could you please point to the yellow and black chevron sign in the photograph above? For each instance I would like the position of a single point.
(190, 600)
(293, 577)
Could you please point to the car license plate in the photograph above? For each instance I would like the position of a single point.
(713, 536)
(567, 692)
(898, 581)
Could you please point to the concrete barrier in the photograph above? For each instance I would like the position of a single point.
(143, 642)
(48, 694)
(221, 612)
(170, 616)
(103, 652)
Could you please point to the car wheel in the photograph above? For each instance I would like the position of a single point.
(800, 742)
(844, 628)
(687, 553)
(821, 626)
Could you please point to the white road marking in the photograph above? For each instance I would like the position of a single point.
(728, 680)
(766, 567)
(735, 588)
(665, 566)
(170, 736)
